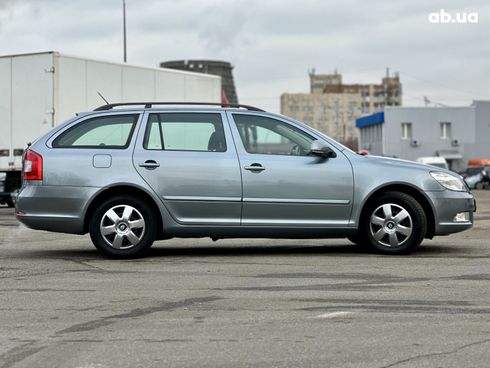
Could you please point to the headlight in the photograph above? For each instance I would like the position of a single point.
(449, 181)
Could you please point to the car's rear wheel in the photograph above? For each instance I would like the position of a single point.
(123, 227)
(394, 223)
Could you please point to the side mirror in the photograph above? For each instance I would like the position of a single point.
(319, 148)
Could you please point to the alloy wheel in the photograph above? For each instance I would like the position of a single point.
(122, 227)
(391, 225)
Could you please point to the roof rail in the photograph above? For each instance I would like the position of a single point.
(149, 105)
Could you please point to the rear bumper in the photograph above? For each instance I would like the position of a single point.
(446, 205)
(60, 224)
(54, 208)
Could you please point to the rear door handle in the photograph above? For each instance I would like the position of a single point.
(255, 167)
(149, 164)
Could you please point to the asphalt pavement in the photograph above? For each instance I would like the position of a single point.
(244, 303)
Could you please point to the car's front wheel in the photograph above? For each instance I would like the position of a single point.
(123, 227)
(394, 223)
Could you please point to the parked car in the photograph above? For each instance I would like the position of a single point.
(130, 176)
(5, 195)
(477, 177)
(477, 173)
(472, 171)
(433, 161)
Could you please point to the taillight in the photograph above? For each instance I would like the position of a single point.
(33, 166)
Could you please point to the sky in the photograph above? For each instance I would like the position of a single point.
(271, 43)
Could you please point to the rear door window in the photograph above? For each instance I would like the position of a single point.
(114, 131)
(185, 132)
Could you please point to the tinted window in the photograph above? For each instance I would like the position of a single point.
(185, 132)
(102, 132)
(270, 136)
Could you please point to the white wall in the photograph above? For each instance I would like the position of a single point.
(79, 80)
(30, 91)
(427, 131)
(371, 139)
(5, 111)
(26, 91)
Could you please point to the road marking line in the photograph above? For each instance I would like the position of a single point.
(333, 314)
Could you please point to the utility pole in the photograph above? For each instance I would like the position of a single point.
(385, 85)
(124, 30)
(338, 132)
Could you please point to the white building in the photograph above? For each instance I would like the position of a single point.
(39, 91)
(455, 133)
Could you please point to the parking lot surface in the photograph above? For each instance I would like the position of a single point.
(244, 303)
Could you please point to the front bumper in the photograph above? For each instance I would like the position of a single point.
(446, 205)
(54, 208)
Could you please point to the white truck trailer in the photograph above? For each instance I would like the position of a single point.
(39, 91)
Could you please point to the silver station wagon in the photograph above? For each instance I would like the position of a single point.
(133, 173)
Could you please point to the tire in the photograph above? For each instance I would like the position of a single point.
(394, 223)
(130, 227)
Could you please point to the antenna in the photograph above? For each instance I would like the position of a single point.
(428, 102)
(102, 97)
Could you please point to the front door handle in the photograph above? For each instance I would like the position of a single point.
(149, 164)
(255, 167)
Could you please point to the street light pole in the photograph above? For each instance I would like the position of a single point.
(124, 29)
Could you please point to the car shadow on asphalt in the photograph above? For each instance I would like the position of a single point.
(291, 250)
(168, 251)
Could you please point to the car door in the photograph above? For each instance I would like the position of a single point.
(189, 160)
(283, 184)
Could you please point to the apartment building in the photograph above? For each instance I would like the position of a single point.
(374, 96)
(332, 106)
(333, 114)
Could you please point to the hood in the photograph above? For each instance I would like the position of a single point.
(388, 161)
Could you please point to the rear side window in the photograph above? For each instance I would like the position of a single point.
(101, 132)
(185, 132)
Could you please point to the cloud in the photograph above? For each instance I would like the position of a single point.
(222, 26)
(7, 8)
(271, 43)
(7, 4)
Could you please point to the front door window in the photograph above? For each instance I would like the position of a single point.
(263, 135)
